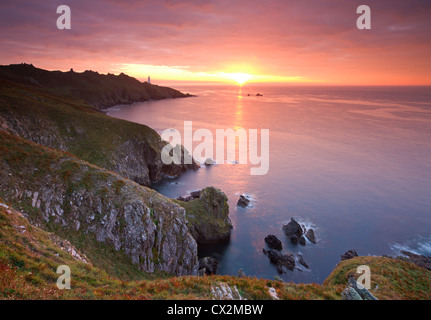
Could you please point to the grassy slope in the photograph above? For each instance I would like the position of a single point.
(23, 157)
(29, 260)
(102, 134)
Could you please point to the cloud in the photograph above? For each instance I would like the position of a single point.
(311, 39)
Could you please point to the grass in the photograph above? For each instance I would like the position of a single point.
(29, 260)
(72, 125)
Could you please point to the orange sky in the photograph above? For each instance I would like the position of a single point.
(298, 41)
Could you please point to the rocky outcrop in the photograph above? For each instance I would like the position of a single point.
(280, 260)
(208, 216)
(419, 260)
(349, 255)
(273, 242)
(71, 197)
(354, 292)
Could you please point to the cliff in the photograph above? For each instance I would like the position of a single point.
(68, 124)
(30, 256)
(98, 90)
(121, 226)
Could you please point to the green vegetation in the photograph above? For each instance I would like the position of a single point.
(29, 260)
(71, 125)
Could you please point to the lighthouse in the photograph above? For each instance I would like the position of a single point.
(149, 80)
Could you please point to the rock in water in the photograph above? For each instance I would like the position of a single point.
(287, 260)
(208, 265)
(349, 255)
(302, 241)
(273, 242)
(209, 162)
(243, 201)
(208, 216)
(302, 261)
(310, 235)
(293, 231)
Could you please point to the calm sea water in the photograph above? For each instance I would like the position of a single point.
(354, 163)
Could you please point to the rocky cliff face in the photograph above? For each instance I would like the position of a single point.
(64, 194)
(129, 149)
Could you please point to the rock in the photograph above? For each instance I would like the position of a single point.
(209, 265)
(273, 242)
(133, 220)
(273, 293)
(195, 194)
(310, 235)
(243, 201)
(208, 216)
(293, 231)
(222, 291)
(302, 241)
(287, 260)
(350, 294)
(302, 261)
(419, 260)
(349, 255)
(185, 199)
(241, 274)
(209, 162)
(353, 292)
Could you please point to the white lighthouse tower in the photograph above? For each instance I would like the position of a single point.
(149, 80)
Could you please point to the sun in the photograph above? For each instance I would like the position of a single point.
(241, 78)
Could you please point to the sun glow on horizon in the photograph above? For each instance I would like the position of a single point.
(241, 78)
(183, 73)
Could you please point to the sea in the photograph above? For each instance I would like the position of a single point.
(352, 163)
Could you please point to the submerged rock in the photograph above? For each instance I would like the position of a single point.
(273, 242)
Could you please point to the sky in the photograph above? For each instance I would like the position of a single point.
(282, 41)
